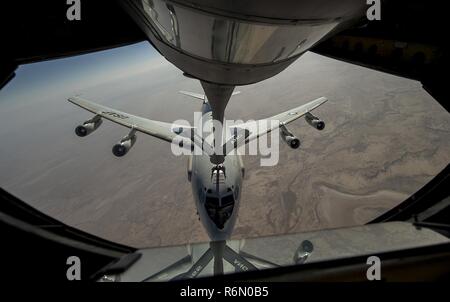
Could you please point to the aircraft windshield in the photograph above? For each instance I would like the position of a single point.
(219, 210)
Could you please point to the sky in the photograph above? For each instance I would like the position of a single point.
(80, 72)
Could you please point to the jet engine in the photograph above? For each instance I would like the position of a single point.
(314, 121)
(289, 138)
(125, 144)
(88, 126)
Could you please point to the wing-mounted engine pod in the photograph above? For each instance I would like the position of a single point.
(314, 121)
(290, 139)
(125, 144)
(88, 126)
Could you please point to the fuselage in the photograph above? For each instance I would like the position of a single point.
(216, 188)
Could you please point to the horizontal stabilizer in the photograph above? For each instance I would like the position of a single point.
(193, 94)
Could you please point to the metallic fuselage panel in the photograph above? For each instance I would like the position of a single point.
(205, 184)
(223, 43)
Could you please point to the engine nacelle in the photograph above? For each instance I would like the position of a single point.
(314, 121)
(89, 126)
(124, 145)
(290, 139)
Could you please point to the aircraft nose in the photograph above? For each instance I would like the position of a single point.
(219, 208)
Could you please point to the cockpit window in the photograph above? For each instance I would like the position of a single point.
(227, 200)
(219, 210)
(211, 201)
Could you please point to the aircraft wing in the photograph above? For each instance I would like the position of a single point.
(247, 132)
(161, 130)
